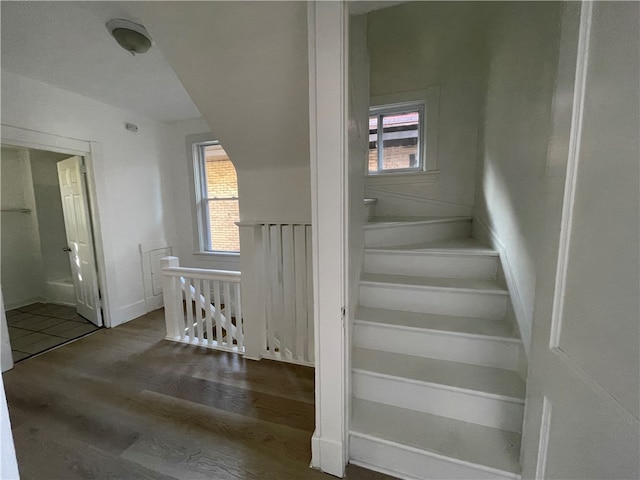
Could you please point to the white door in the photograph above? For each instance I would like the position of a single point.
(590, 370)
(79, 238)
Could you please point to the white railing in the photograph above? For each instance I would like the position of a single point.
(278, 290)
(288, 293)
(203, 307)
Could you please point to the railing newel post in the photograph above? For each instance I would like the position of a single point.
(169, 293)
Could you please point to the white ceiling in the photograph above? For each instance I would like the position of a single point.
(67, 45)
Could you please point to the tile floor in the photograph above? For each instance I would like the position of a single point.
(40, 326)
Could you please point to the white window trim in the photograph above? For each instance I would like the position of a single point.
(200, 232)
(399, 108)
(430, 98)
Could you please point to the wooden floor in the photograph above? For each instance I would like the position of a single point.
(124, 403)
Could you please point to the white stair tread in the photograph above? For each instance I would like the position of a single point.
(468, 442)
(462, 246)
(375, 222)
(446, 323)
(492, 381)
(484, 285)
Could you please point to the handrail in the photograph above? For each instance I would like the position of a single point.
(255, 223)
(204, 274)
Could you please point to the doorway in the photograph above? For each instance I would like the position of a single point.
(47, 255)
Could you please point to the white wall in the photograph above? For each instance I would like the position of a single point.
(55, 262)
(514, 178)
(244, 64)
(133, 188)
(22, 272)
(276, 194)
(418, 45)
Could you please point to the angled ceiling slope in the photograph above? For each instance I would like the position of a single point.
(245, 65)
(67, 45)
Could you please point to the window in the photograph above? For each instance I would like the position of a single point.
(216, 198)
(396, 138)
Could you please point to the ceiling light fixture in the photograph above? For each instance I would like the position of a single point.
(131, 36)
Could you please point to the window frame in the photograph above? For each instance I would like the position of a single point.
(201, 200)
(395, 109)
(430, 98)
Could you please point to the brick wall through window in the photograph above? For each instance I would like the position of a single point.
(222, 200)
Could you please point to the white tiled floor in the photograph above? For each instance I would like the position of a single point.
(39, 327)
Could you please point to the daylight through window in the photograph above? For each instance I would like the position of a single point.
(396, 139)
(218, 203)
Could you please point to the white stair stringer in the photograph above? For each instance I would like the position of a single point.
(406, 230)
(475, 341)
(446, 296)
(413, 445)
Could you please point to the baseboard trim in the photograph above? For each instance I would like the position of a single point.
(328, 455)
(128, 313)
(24, 303)
(522, 317)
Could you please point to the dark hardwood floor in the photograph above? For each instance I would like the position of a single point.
(124, 403)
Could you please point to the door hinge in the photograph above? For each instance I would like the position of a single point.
(83, 169)
(343, 314)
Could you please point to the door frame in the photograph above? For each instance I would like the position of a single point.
(91, 152)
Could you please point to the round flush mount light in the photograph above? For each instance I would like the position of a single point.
(131, 36)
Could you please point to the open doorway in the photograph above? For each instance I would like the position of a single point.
(47, 261)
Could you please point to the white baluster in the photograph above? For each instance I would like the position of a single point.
(189, 303)
(207, 311)
(300, 265)
(198, 310)
(239, 320)
(228, 326)
(217, 314)
(288, 345)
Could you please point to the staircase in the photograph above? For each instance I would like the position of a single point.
(435, 382)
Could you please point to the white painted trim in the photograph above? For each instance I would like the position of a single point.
(6, 357)
(431, 98)
(22, 137)
(404, 178)
(25, 302)
(128, 312)
(566, 223)
(543, 446)
(146, 247)
(328, 56)
(92, 154)
(255, 223)
(522, 316)
(9, 463)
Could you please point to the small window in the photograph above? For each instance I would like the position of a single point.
(396, 139)
(216, 198)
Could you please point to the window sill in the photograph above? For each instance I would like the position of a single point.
(402, 178)
(220, 255)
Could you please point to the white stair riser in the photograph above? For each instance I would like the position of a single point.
(409, 463)
(431, 265)
(417, 233)
(440, 301)
(429, 398)
(487, 352)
